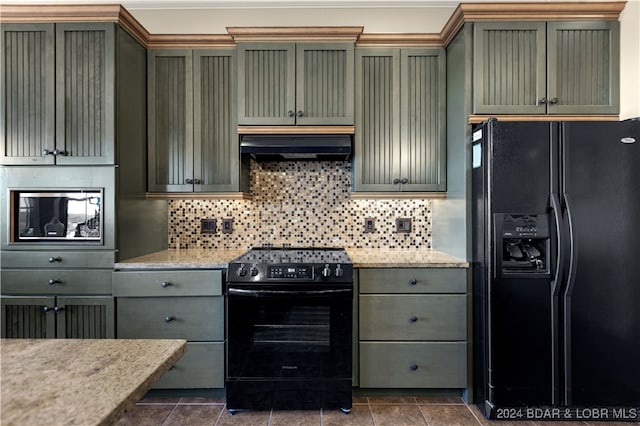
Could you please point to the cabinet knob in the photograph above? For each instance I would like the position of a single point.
(58, 309)
(553, 101)
(55, 259)
(300, 114)
(197, 181)
(396, 181)
(169, 319)
(543, 101)
(47, 152)
(414, 319)
(166, 284)
(404, 181)
(290, 113)
(53, 282)
(189, 181)
(45, 308)
(413, 367)
(413, 281)
(59, 152)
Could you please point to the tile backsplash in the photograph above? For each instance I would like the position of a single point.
(300, 203)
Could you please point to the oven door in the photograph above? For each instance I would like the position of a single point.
(289, 332)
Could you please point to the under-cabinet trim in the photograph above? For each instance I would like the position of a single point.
(296, 130)
(474, 119)
(398, 195)
(198, 196)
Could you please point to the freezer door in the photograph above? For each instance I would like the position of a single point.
(521, 306)
(601, 300)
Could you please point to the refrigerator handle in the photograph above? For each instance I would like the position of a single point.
(555, 291)
(566, 300)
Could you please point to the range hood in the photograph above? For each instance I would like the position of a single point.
(296, 147)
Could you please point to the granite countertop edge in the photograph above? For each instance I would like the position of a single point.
(362, 258)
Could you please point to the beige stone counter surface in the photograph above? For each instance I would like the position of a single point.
(78, 382)
(183, 259)
(403, 258)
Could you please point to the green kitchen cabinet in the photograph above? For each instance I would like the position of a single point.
(400, 140)
(546, 67)
(193, 144)
(72, 317)
(295, 83)
(172, 304)
(58, 100)
(413, 328)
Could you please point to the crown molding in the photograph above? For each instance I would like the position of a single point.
(295, 33)
(187, 41)
(399, 39)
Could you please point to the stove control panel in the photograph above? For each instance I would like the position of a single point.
(296, 272)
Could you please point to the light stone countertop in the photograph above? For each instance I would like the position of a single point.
(78, 381)
(361, 257)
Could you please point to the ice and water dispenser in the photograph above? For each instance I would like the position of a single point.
(522, 244)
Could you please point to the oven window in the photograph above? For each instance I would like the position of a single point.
(289, 336)
(295, 329)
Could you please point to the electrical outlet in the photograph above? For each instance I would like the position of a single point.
(208, 226)
(227, 225)
(369, 224)
(403, 224)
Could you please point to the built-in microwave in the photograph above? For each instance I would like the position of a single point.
(57, 216)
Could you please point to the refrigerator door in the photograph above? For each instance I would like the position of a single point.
(521, 302)
(602, 298)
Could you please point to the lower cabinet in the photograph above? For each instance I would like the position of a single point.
(74, 317)
(413, 328)
(176, 305)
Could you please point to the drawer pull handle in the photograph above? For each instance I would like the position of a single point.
(165, 284)
(414, 367)
(58, 309)
(413, 281)
(414, 319)
(55, 259)
(53, 282)
(169, 319)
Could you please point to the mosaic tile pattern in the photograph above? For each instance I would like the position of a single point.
(300, 203)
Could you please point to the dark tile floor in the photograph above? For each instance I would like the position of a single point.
(366, 411)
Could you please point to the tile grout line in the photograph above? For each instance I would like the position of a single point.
(424, 416)
(473, 414)
(169, 415)
(220, 414)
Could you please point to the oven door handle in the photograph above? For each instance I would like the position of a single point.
(268, 293)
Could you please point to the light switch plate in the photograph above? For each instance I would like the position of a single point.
(369, 224)
(403, 224)
(227, 225)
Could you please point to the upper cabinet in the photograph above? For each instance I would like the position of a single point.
(295, 83)
(193, 144)
(546, 67)
(58, 100)
(400, 140)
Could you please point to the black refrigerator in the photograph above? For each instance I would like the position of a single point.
(556, 269)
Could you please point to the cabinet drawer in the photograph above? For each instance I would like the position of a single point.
(37, 281)
(190, 318)
(401, 280)
(167, 283)
(413, 365)
(58, 259)
(201, 366)
(413, 317)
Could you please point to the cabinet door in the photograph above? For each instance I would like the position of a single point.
(170, 118)
(324, 89)
(509, 75)
(266, 88)
(423, 124)
(85, 317)
(583, 60)
(85, 93)
(216, 156)
(27, 317)
(27, 108)
(377, 138)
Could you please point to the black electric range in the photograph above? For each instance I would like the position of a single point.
(289, 329)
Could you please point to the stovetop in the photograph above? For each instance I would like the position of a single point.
(291, 264)
(293, 255)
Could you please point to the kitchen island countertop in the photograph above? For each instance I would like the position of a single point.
(79, 381)
(361, 257)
